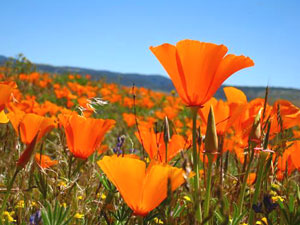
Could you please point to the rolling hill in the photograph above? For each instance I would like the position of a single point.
(161, 83)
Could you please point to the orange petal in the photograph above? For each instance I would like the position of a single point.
(127, 175)
(203, 112)
(229, 65)
(30, 126)
(168, 57)
(156, 183)
(44, 161)
(234, 95)
(199, 62)
(5, 92)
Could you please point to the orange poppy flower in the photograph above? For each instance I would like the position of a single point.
(5, 92)
(102, 149)
(143, 189)
(84, 135)
(31, 128)
(129, 118)
(251, 178)
(44, 161)
(155, 146)
(30, 125)
(221, 112)
(295, 154)
(198, 69)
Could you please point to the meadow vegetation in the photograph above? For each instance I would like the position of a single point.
(78, 151)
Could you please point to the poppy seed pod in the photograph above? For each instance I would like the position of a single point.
(211, 137)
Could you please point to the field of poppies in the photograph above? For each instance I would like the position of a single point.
(78, 151)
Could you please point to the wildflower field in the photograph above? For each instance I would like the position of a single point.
(79, 151)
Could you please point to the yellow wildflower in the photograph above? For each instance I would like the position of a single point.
(103, 196)
(8, 216)
(64, 205)
(277, 198)
(263, 221)
(33, 204)
(275, 187)
(158, 221)
(187, 198)
(62, 184)
(78, 216)
(20, 204)
(79, 197)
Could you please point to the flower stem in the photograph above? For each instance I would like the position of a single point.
(197, 203)
(9, 187)
(261, 164)
(245, 177)
(208, 186)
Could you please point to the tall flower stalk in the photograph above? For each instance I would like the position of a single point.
(196, 158)
(211, 148)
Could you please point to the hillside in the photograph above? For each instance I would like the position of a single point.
(161, 83)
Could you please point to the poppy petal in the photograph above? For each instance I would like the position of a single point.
(199, 61)
(168, 57)
(229, 65)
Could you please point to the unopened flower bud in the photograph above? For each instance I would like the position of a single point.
(211, 137)
(255, 134)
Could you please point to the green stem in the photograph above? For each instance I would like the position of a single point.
(244, 185)
(261, 164)
(196, 167)
(208, 186)
(140, 220)
(9, 187)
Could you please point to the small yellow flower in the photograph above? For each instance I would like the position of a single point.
(79, 197)
(277, 198)
(20, 204)
(103, 196)
(275, 187)
(33, 204)
(244, 224)
(8, 216)
(62, 184)
(187, 198)
(78, 216)
(158, 221)
(263, 221)
(64, 205)
(273, 193)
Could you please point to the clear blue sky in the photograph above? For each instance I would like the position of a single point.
(116, 35)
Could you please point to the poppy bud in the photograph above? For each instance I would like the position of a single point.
(211, 137)
(255, 133)
(26, 155)
(166, 131)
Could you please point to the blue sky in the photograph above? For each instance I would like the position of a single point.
(116, 35)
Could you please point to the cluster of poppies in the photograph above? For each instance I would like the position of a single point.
(197, 70)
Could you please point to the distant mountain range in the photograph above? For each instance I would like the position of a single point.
(161, 83)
